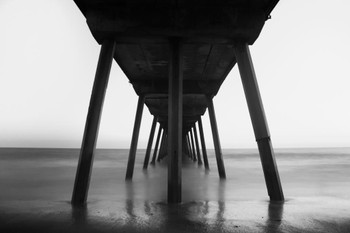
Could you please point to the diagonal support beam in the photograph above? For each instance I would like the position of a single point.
(162, 148)
(217, 146)
(259, 122)
(153, 161)
(204, 148)
(184, 146)
(135, 138)
(175, 121)
(189, 147)
(193, 146)
(197, 145)
(150, 142)
(82, 178)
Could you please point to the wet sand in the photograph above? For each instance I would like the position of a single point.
(36, 189)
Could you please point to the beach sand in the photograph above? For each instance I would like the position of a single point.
(36, 186)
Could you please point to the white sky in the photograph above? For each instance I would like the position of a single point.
(48, 59)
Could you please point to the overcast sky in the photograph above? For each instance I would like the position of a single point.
(48, 59)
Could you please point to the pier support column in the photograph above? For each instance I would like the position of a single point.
(135, 138)
(153, 161)
(150, 142)
(204, 148)
(175, 122)
(197, 145)
(162, 145)
(184, 146)
(193, 146)
(217, 146)
(258, 118)
(189, 147)
(82, 178)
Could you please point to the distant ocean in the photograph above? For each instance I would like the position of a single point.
(48, 174)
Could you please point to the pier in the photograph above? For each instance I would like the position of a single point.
(176, 55)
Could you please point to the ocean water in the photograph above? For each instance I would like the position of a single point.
(48, 174)
(36, 186)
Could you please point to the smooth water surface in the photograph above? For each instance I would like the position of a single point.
(36, 187)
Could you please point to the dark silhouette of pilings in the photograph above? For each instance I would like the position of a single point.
(185, 146)
(193, 147)
(153, 161)
(163, 147)
(150, 142)
(259, 122)
(204, 148)
(82, 178)
(175, 121)
(189, 147)
(207, 45)
(197, 145)
(214, 129)
(135, 138)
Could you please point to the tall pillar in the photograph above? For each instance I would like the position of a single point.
(214, 129)
(259, 122)
(165, 148)
(175, 121)
(135, 138)
(162, 145)
(189, 147)
(82, 178)
(150, 142)
(197, 145)
(193, 146)
(153, 161)
(184, 146)
(204, 148)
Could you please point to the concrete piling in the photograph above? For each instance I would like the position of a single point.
(175, 121)
(134, 139)
(204, 149)
(190, 154)
(153, 161)
(259, 122)
(150, 142)
(217, 146)
(193, 146)
(197, 145)
(82, 178)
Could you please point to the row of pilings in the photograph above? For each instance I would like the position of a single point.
(176, 133)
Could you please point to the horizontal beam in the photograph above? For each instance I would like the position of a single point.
(150, 86)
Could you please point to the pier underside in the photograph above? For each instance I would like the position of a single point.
(176, 54)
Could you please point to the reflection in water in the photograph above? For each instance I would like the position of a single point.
(79, 215)
(129, 202)
(199, 216)
(138, 211)
(220, 218)
(222, 190)
(275, 216)
(160, 216)
(148, 208)
(202, 214)
(35, 181)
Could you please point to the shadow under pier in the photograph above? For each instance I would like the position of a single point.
(176, 55)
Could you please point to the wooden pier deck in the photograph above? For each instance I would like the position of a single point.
(176, 54)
